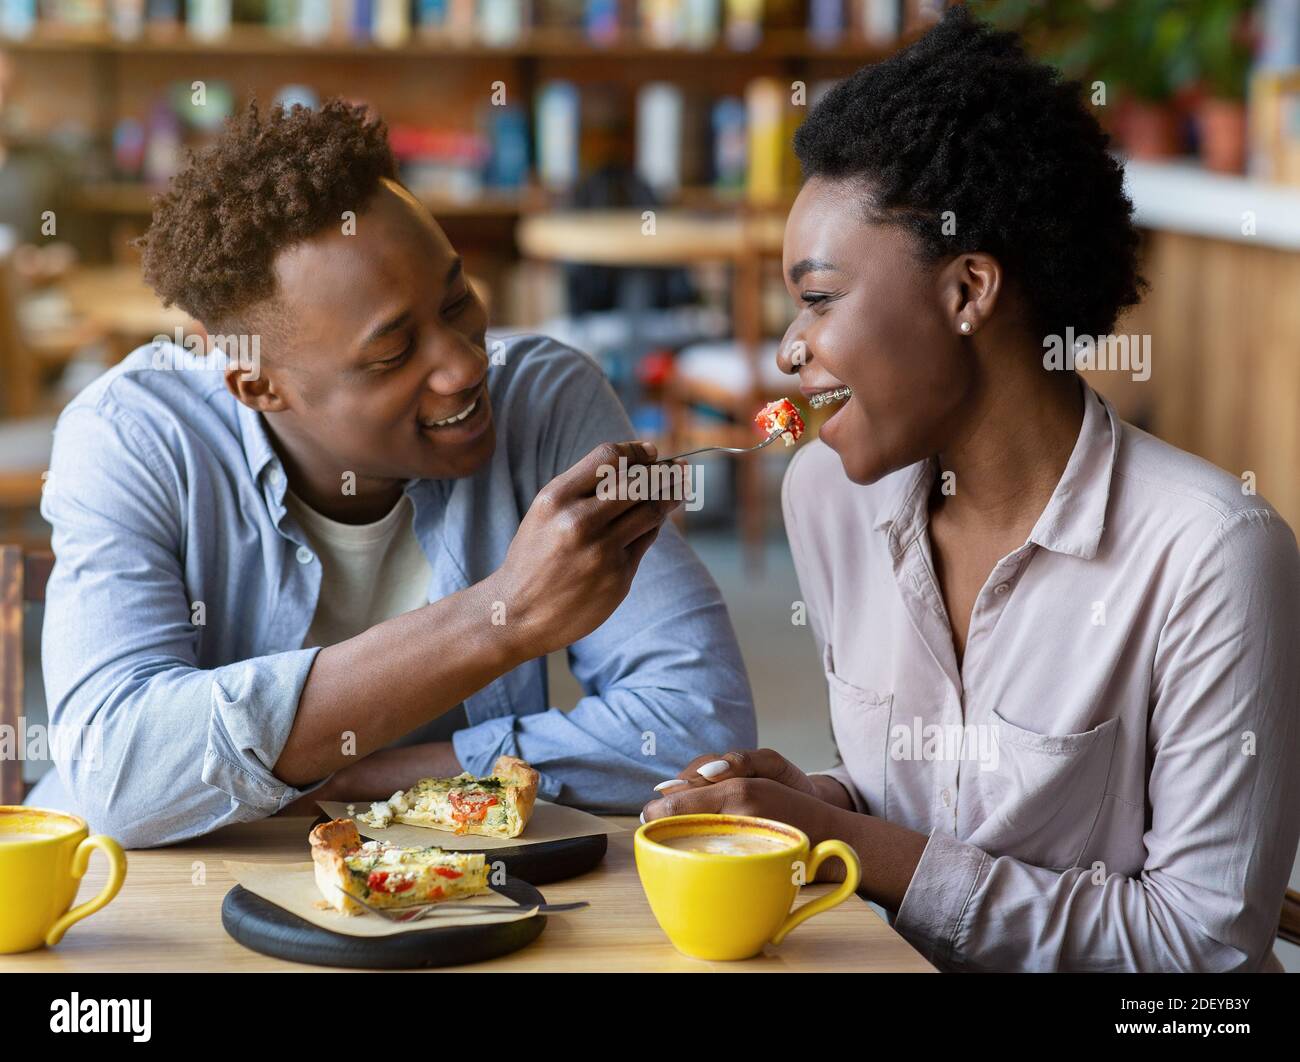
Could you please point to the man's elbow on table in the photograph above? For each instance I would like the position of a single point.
(145, 807)
(94, 795)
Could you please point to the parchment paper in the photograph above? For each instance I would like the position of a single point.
(293, 887)
(549, 822)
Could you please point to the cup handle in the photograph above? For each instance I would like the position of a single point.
(116, 875)
(852, 876)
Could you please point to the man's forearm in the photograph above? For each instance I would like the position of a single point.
(381, 774)
(397, 676)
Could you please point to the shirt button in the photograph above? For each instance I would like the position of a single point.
(276, 477)
(1002, 588)
(946, 796)
(305, 556)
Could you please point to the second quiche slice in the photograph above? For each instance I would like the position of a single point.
(497, 806)
(386, 875)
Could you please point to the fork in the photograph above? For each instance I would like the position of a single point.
(419, 910)
(725, 449)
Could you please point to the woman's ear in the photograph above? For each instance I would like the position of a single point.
(969, 286)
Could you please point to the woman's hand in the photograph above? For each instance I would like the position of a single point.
(712, 769)
(762, 798)
(764, 784)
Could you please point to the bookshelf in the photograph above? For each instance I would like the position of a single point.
(85, 82)
(254, 39)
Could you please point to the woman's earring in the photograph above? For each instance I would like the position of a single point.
(965, 327)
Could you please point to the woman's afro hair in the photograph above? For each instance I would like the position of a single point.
(963, 121)
(265, 184)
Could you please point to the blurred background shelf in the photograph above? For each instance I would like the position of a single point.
(251, 39)
(133, 199)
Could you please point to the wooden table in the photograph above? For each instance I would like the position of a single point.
(117, 300)
(168, 918)
(618, 238)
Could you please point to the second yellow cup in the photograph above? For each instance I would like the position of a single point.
(721, 886)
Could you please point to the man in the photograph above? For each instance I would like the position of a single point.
(336, 567)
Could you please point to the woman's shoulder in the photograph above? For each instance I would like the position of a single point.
(1190, 496)
(1196, 516)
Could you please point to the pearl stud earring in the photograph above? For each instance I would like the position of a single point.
(965, 327)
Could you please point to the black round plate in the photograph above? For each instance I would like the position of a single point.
(550, 861)
(261, 925)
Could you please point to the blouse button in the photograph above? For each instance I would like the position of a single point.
(946, 796)
(1002, 588)
(305, 556)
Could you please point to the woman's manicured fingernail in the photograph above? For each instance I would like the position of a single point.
(670, 784)
(643, 818)
(714, 768)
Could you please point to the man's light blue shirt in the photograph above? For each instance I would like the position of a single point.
(182, 594)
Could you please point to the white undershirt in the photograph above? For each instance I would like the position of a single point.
(369, 572)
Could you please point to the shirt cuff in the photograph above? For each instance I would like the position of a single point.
(841, 774)
(478, 746)
(934, 906)
(254, 704)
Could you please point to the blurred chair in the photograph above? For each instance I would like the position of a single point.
(23, 576)
(735, 378)
(28, 360)
(733, 382)
(38, 346)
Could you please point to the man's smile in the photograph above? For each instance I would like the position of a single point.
(455, 418)
(463, 425)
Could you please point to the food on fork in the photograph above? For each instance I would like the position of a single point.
(387, 875)
(497, 806)
(782, 416)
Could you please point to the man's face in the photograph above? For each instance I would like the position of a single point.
(382, 350)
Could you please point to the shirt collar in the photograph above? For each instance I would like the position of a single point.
(258, 451)
(1075, 515)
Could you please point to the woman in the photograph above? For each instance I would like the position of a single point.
(1061, 654)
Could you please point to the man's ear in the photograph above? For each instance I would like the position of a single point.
(256, 390)
(247, 379)
(969, 287)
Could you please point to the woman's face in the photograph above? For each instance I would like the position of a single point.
(871, 315)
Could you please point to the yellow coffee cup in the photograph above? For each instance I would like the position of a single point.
(724, 905)
(43, 855)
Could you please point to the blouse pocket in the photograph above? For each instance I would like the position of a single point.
(860, 723)
(1040, 802)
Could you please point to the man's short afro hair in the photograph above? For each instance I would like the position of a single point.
(963, 121)
(264, 185)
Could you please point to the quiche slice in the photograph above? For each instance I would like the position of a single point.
(388, 875)
(497, 806)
